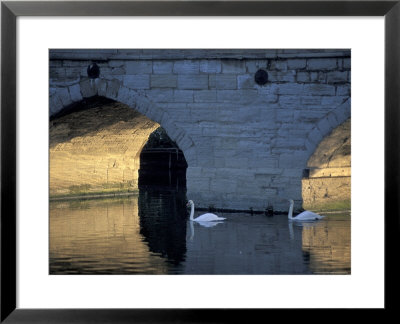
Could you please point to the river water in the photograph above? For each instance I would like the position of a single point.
(149, 233)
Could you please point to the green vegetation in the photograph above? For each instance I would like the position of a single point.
(87, 191)
(329, 206)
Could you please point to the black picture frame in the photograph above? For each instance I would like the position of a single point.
(10, 10)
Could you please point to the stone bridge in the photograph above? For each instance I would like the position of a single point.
(247, 121)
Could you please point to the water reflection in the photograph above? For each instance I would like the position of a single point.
(326, 244)
(150, 234)
(99, 237)
(162, 217)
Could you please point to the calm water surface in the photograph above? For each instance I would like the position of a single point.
(150, 234)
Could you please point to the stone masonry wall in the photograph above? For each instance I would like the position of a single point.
(246, 144)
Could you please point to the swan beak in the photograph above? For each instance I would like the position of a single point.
(187, 204)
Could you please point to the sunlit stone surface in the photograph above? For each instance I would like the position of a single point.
(97, 150)
(329, 184)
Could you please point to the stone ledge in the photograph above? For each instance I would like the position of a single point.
(105, 55)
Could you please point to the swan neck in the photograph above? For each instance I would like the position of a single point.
(290, 215)
(191, 211)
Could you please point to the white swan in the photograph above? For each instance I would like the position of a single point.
(208, 217)
(304, 216)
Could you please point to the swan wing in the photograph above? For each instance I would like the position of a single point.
(208, 217)
(308, 215)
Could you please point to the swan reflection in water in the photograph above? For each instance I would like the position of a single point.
(302, 225)
(204, 224)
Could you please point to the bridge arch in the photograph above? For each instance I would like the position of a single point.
(120, 138)
(326, 125)
(61, 97)
(327, 184)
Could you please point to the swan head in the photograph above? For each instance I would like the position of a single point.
(291, 201)
(189, 203)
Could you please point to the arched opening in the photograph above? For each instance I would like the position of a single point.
(162, 163)
(98, 148)
(326, 182)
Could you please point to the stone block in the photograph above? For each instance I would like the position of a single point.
(160, 95)
(346, 63)
(112, 89)
(293, 173)
(222, 81)
(123, 95)
(282, 76)
(233, 66)
(116, 63)
(343, 90)
(101, 88)
(55, 104)
(237, 162)
(303, 77)
(296, 64)
(286, 101)
(75, 92)
(324, 126)
(138, 67)
(237, 96)
(311, 100)
(289, 142)
(332, 101)
(294, 159)
(194, 172)
(116, 71)
(246, 81)
(56, 73)
(164, 81)
(186, 67)
(183, 96)
(290, 89)
(332, 120)
(205, 95)
(185, 143)
(254, 65)
(88, 88)
(223, 185)
(70, 63)
(284, 115)
(201, 112)
(319, 90)
(315, 136)
(162, 67)
(280, 65)
(321, 64)
(269, 89)
(201, 185)
(73, 72)
(210, 66)
(54, 64)
(337, 77)
(311, 116)
(266, 172)
(318, 77)
(137, 81)
(263, 163)
(193, 81)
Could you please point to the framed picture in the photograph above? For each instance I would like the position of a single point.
(276, 93)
